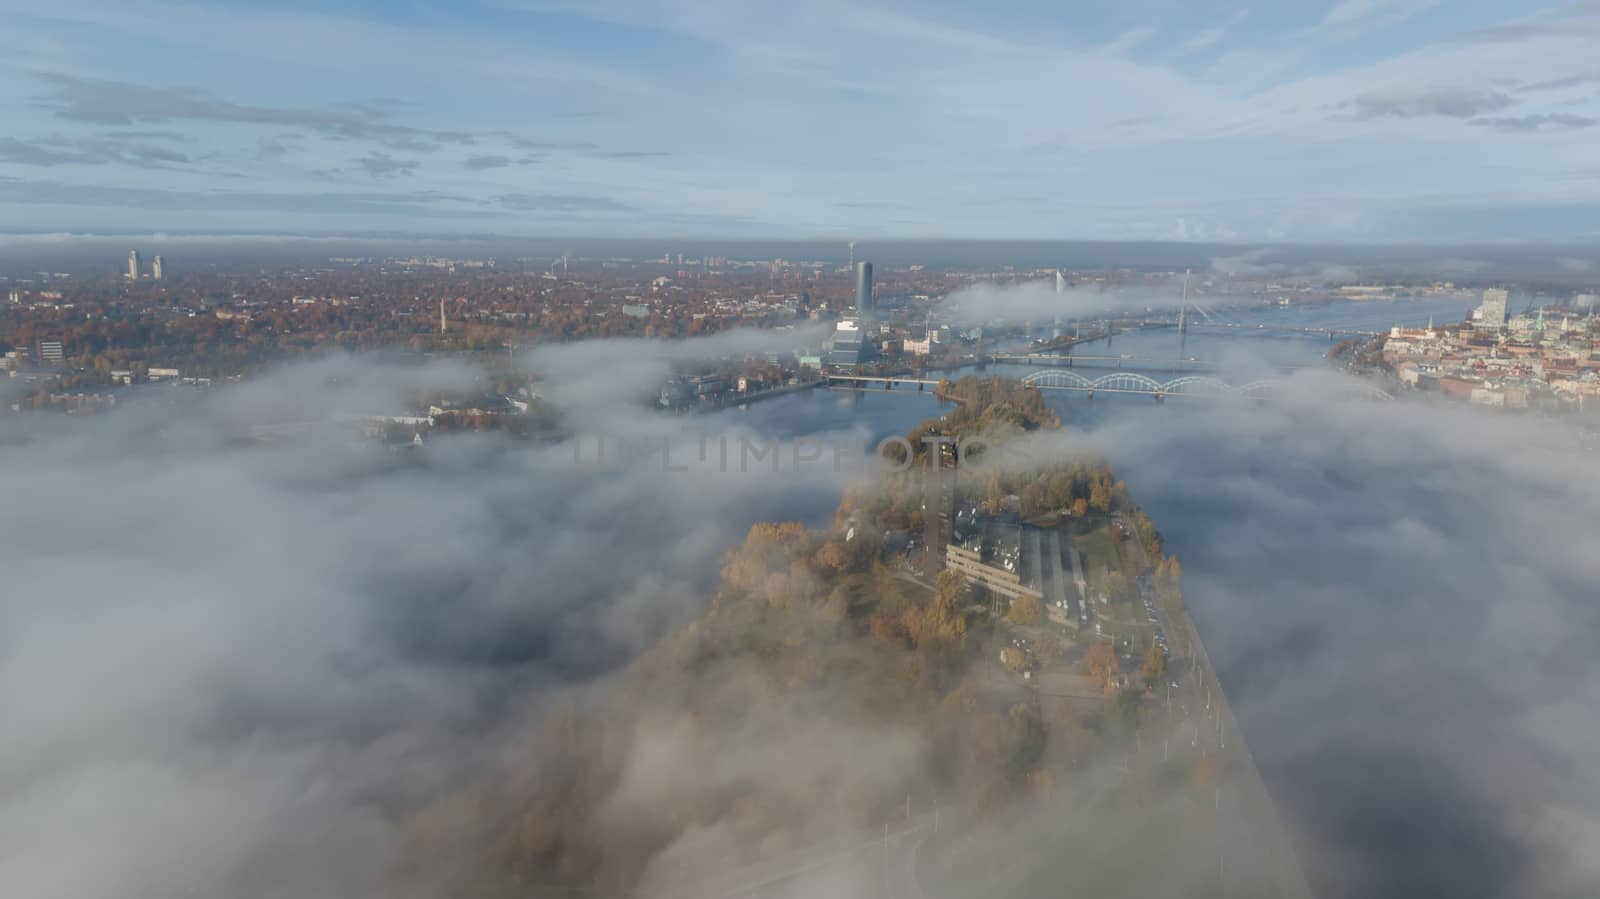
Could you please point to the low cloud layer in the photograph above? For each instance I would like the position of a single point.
(1399, 601)
(227, 667)
(232, 668)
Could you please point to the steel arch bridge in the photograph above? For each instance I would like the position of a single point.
(1198, 386)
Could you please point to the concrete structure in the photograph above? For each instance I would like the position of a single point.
(997, 580)
(155, 268)
(133, 265)
(864, 289)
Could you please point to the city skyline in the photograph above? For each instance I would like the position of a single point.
(1351, 120)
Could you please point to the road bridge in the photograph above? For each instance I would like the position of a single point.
(889, 382)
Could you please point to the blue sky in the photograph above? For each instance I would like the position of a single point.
(1337, 120)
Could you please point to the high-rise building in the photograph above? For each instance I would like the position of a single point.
(1492, 314)
(155, 268)
(1061, 283)
(864, 289)
(133, 265)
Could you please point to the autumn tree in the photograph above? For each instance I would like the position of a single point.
(941, 625)
(949, 587)
(1168, 571)
(1026, 611)
(1100, 662)
(832, 556)
(1100, 497)
(1014, 659)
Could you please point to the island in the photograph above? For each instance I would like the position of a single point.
(976, 680)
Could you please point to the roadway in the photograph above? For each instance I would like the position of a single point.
(1253, 837)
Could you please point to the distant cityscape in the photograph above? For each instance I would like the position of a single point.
(75, 342)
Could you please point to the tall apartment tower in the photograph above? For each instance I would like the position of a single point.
(864, 289)
(133, 265)
(155, 268)
(938, 505)
(442, 326)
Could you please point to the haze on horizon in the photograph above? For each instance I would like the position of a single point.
(1348, 120)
